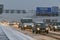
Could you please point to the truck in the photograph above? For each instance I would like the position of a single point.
(26, 23)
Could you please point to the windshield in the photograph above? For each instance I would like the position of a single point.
(56, 23)
(41, 24)
(26, 20)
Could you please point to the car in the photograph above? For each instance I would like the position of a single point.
(26, 23)
(15, 24)
(40, 27)
(56, 26)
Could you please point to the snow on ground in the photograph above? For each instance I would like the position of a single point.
(3, 35)
(56, 32)
(15, 35)
(50, 36)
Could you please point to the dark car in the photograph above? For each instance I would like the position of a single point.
(40, 27)
(56, 26)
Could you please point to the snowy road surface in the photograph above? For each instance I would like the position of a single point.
(42, 36)
(15, 35)
(3, 35)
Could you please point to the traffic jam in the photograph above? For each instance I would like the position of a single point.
(34, 29)
(42, 24)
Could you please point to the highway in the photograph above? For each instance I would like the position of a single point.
(3, 35)
(42, 36)
(11, 34)
(14, 33)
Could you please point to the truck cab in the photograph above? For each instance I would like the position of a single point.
(26, 23)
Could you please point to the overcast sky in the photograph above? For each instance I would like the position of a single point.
(28, 4)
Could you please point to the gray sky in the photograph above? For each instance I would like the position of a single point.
(28, 4)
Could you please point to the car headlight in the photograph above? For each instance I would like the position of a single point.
(38, 28)
(25, 25)
(47, 28)
(18, 23)
(39, 24)
(55, 27)
(32, 25)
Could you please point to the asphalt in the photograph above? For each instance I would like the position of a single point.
(3, 35)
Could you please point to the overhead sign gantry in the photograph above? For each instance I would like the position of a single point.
(1, 8)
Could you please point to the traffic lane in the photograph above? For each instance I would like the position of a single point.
(55, 32)
(15, 35)
(41, 36)
(36, 36)
(54, 35)
(3, 35)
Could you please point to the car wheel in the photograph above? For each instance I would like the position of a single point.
(39, 32)
(54, 30)
(18, 26)
(36, 32)
(47, 31)
(33, 31)
(23, 28)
